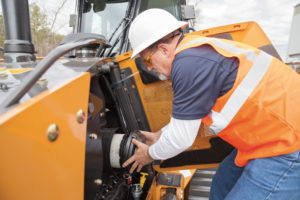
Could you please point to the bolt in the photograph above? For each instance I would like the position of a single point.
(115, 181)
(42, 82)
(3, 75)
(52, 132)
(168, 179)
(80, 116)
(98, 181)
(91, 107)
(3, 87)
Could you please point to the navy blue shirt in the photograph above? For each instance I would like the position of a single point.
(199, 76)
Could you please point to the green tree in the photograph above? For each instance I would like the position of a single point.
(2, 33)
(42, 28)
(39, 29)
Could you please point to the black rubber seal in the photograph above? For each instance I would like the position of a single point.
(127, 148)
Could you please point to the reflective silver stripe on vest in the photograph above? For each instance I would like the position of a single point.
(223, 45)
(261, 64)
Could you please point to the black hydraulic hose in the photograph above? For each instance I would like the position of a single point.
(120, 189)
(128, 18)
(118, 39)
(43, 66)
(117, 28)
(131, 15)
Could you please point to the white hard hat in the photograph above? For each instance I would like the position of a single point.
(150, 26)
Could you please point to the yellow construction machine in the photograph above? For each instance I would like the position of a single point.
(67, 121)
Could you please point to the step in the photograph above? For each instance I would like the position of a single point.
(200, 184)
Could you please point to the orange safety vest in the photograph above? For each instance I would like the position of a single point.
(260, 114)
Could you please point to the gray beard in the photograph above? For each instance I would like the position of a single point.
(162, 77)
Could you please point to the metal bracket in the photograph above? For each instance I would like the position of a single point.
(169, 179)
(188, 12)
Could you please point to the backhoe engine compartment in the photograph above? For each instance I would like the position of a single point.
(111, 126)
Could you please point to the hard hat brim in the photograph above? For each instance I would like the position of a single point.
(180, 24)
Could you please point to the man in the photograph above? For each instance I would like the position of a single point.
(244, 95)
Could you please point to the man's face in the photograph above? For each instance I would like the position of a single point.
(156, 59)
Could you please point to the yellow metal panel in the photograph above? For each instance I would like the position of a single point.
(247, 32)
(32, 167)
(156, 97)
(16, 70)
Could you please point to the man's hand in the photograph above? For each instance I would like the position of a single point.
(139, 158)
(151, 138)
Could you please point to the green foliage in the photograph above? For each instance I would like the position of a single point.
(2, 33)
(42, 36)
(38, 19)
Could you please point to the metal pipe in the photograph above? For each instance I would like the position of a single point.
(17, 29)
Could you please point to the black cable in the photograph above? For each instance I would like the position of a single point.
(118, 39)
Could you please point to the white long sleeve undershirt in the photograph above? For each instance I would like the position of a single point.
(176, 137)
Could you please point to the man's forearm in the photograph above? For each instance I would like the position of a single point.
(176, 137)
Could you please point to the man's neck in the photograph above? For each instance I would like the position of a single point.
(175, 42)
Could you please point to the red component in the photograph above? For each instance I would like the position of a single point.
(129, 180)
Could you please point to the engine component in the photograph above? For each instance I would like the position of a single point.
(118, 147)
(169, 179)
(114, 188)
(114, 152)
(170, 194)
(127, 147)
(136, 191)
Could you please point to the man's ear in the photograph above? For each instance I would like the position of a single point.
(164, 48)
